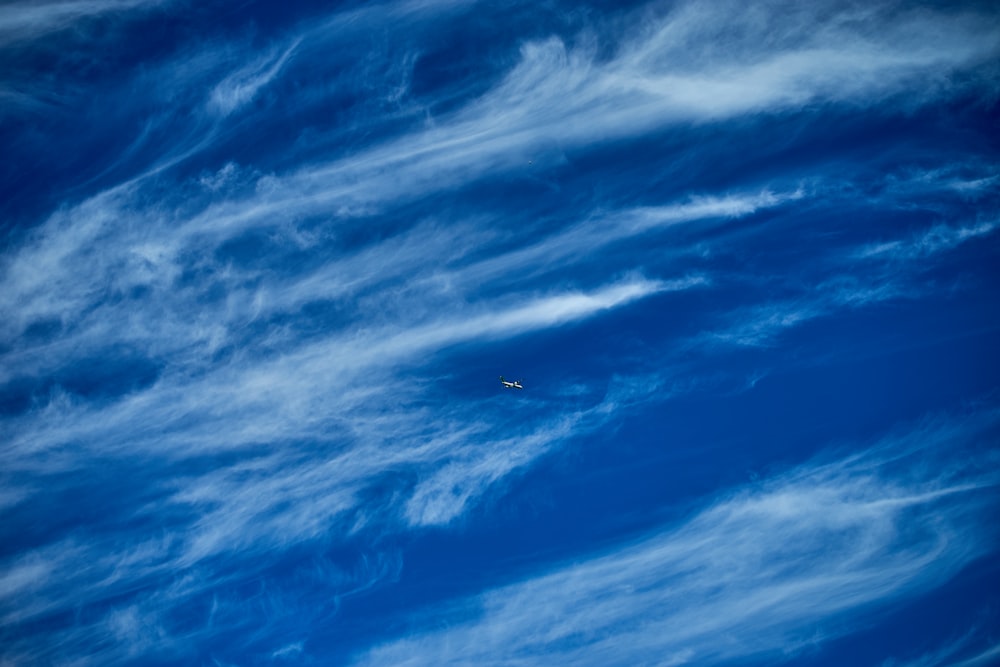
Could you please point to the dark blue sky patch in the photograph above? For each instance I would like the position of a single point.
(109, 377)
(99, 379)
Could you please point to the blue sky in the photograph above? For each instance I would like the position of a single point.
(263, 263)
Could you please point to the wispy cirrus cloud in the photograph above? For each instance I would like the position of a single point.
(930, 242)
(771, 568)
(142, 254)
(568, 97)
(957, 653)
(889, 273)
(972, 181)
(361, 178)
(374, 461)
(983, 658)
(240, 87)
(602, 229)
(299, 379)
(22, 21)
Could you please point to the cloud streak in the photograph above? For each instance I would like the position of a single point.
(894, 267)
(569, 97)
(240, 87)
(26, 21)
(763, 571)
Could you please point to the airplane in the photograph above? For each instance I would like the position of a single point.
(516, 384)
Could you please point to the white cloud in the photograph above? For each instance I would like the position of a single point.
(972, 181)
(551, 91)
(240, 87)
(504, 322)
(570, 98)
(22, 21)
(889, 276)
(125, 250)
(284, 398)
(986, 657)
(931, 242)
(591, 236)
(27, 574)
(760, 325)
(445, 494)
(761, 572)
(303, 417)
(955, 653)
(288, 651)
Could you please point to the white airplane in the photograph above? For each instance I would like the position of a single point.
(516, 384)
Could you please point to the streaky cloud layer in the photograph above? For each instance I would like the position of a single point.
(763, 571)
(21, 21)
(272, 262)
